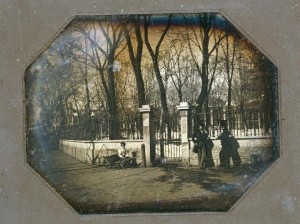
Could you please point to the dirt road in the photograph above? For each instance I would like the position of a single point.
(92, 189)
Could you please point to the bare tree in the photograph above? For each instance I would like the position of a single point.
(154, 54)
(152, 92)
(229, 55)
(205, 39)
(177, 65)
(59, 83)
(133, 34)
(263, 83)
(104, 53)
(244, 88)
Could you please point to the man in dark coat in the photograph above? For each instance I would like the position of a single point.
(234, 146)
(199, 138)
(229, 148)
(208, 146)
(224, 153)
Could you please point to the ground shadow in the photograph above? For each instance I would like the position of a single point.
(62, 172)
(212, 179)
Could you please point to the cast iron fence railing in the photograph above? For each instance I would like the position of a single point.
(99, 129)
(246, 123)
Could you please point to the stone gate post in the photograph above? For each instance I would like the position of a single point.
(184, 111)
(148, 133)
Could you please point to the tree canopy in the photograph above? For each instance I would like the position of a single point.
(109, 66)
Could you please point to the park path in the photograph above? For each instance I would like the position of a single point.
(93, 189)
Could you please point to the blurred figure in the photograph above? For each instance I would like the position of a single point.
(224, 153)
(208, 146)
(229, 148)
(122, 151)
(199, 139)
(233, 152)
(124, 156)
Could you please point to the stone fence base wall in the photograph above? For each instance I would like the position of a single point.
(84, 150)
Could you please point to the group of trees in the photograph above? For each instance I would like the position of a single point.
(109, 66)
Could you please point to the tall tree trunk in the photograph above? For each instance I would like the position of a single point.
(154, 56)
(180, 95)
(206, 47)
(113, 37)
(204, 69)
(136, 59)
(112, 105)
(163, 98)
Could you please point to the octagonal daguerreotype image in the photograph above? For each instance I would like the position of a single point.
(151, 113)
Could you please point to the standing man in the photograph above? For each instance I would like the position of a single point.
(199, 138)
(225, 142)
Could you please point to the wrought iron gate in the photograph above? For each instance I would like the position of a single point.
(168, 138)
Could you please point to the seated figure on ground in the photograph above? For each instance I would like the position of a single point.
(123, 155)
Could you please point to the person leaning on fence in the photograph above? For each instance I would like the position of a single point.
(199, 138)
(229, 149)
(233, 152)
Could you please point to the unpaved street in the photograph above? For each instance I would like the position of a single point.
(170, 188)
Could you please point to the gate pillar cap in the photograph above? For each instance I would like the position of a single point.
(146, 108)
(183, 106)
